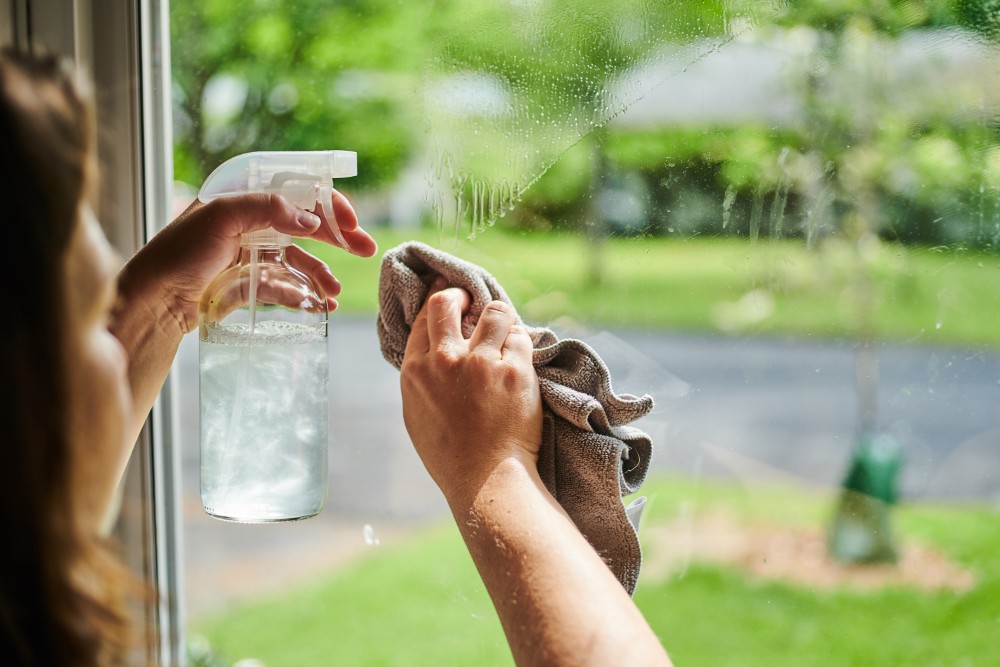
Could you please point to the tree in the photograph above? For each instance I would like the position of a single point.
(287, 75)
(851, 117)
(548, 69)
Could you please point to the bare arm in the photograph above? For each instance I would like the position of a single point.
(557, 600)
(473, 410)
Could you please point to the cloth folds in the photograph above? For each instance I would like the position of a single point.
(590, 457)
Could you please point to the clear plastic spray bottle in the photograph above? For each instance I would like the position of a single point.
(263, 353)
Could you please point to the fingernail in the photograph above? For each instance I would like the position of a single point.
(307, 219)
(439, 283)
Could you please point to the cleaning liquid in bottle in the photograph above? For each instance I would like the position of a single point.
(263, 353)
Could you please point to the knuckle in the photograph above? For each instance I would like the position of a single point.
(277, 204)
(480, 361)
(408, 384)
(215, 208)
(499, 307)
(438, 301)
(412, 372)
(445, 357)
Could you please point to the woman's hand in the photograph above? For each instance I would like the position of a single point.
(160, 287)
(469, 404)
(178, 263)
(473, 409)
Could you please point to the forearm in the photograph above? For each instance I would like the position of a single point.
(150, 333)
(558, 602)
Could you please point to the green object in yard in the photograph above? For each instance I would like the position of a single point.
(861, 531)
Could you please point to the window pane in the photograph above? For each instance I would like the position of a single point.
(779, 219)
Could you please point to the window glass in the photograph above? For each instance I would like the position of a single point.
(779, 219)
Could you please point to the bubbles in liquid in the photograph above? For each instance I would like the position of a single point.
(264, 333)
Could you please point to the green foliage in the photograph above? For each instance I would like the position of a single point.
(319, 75)
(316, 76)
(982, 16)
(891, 17)
(564, 53)
(355, 74)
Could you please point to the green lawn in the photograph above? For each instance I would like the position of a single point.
(420, 602)
(927, 296)
(715, 615)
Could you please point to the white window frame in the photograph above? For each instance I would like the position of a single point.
(124, 47)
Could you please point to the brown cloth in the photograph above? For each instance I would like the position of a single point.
(589, 457)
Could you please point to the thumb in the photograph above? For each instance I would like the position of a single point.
(240, 214)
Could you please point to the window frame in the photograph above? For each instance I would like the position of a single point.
(123, 47)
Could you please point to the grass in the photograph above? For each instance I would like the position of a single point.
(727, 285)
(416, 602)
(420, 602)
(714, 615)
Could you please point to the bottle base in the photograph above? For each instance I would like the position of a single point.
(258, 520)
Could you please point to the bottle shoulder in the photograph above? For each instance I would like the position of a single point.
(264, 272)
(268, 284)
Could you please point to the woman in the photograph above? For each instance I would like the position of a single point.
(84, 354)
(85, 351)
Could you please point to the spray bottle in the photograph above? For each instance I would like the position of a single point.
(263, 352)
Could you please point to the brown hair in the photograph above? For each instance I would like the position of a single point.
(62, 592)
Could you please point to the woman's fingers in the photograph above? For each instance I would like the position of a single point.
(256, 211)
(359, 242)
(419, 339)
(518, 344)
(233, 216)
(438, 326)
(229, 217)
(347, 219)
(313, 267)
(493, 328)
(290, 296)
(444, 318)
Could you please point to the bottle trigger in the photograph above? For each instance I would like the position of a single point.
(326, 200)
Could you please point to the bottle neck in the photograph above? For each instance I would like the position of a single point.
(266, 253)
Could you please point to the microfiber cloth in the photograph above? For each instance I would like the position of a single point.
(590, 457)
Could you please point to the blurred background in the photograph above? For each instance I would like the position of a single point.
(780, 219)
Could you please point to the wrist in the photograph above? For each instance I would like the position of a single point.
(143, 312)
(144, 321)
(513, 475)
